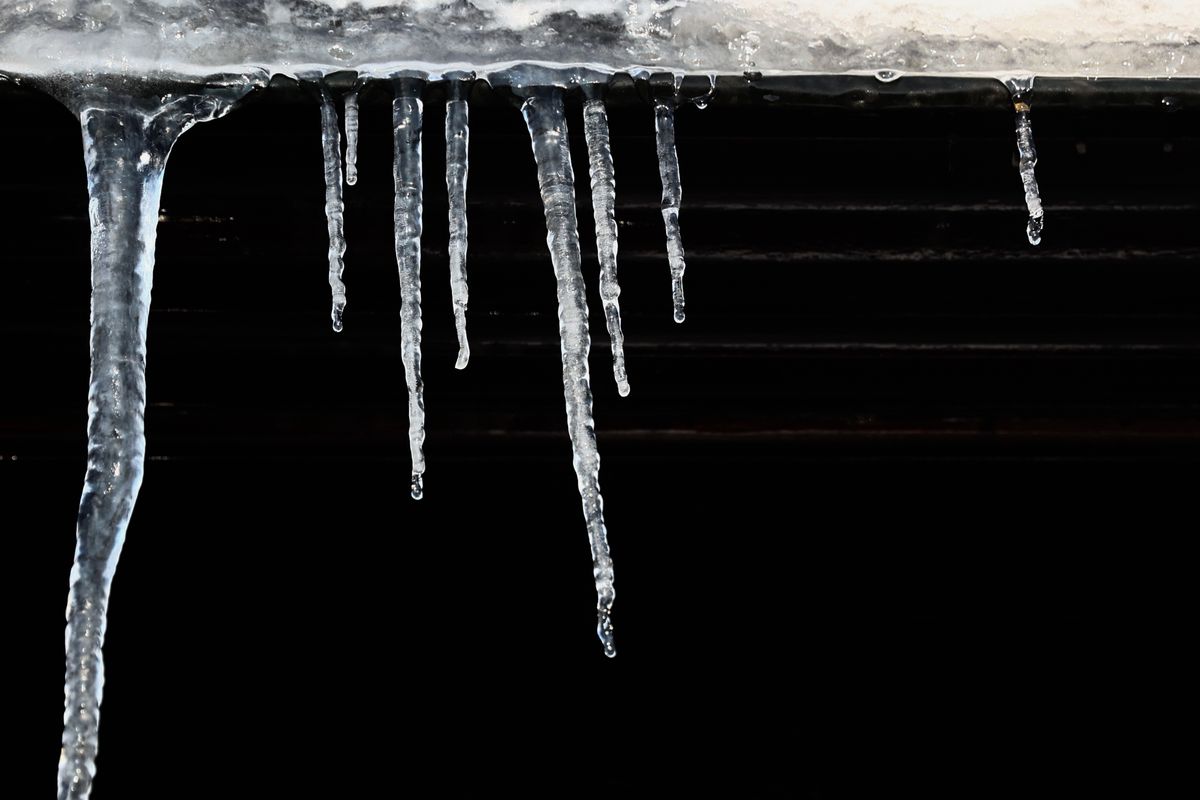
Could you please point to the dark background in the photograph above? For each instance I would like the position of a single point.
(897, 511)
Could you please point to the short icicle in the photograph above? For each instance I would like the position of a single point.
(406, 126)
(457, 139)
(126, 145)
(351, 112)
(1020, 89)
(331, 144)
(604, 201)
(546, 120)
(672, 193)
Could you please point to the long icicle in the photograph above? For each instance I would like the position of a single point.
(331, 145)
(672, 193)
(457, 139)
(406, 125)
(1027, 153)
(604, 201)
(546, 120)
(351, 112)
(125, 152)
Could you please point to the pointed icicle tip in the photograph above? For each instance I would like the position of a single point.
(604, 629)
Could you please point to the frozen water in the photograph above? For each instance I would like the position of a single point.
(1027, 155)
(95, 52)
(604, 202)
(547, 122)
(126, 143)
(331, 146)
(1051, 37)
(351, 113)
(457, 142)
(406, 126)
(672, 195)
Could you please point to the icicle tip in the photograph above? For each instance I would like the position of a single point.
(418, 486)
(1034, 230)
(604, 629)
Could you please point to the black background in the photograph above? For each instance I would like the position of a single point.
(893, 513)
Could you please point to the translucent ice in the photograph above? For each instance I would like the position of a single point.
(406, 127)
(604, 200)
(331, 146)
(547, 123)
(672, 194)
(351, 112)
(457, 140)
(126, 141)
(1027, 155)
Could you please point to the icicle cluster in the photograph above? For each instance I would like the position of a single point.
(126, 144)
(545, 116)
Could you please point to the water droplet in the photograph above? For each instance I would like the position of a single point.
(680, 316)
(887, 75)
(418, 486)
(1170, 103)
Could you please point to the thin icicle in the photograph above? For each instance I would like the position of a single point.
(406, 124)
(331, 144)
(125, 152)
(668, 170)
(543, 112)
(457, 139)
(1028, 158)
(351, 112)
(604, 201)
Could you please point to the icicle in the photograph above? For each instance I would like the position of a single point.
(668, 170)
(331, 143)
(544, 115)
(406, 124)
(351, 138)
(457, 138)
(604, 200)
(1028, 158)
(125, 152)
